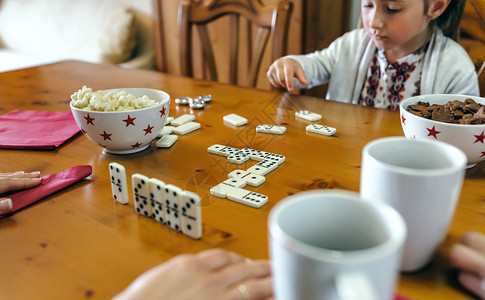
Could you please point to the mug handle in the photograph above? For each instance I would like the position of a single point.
(354, 286)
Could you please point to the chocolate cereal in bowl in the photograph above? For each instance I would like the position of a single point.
(455, 119)
(122, 121)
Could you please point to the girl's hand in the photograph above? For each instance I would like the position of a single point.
(283, 72)
(469, 257)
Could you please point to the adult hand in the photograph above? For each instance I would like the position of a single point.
(283, 71)
(15, 181)
(211, 274)
(469, 257)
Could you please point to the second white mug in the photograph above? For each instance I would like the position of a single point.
(422, 180)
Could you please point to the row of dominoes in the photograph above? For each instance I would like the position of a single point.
(153, 198)
(233, 188)
(181, 126)
(237, 120)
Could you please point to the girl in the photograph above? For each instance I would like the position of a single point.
(405, 49)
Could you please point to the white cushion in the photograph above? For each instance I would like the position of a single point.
(60, 29)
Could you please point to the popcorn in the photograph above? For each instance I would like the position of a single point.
(86, 99)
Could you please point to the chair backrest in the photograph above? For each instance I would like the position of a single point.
(270, 20)
(472, 36)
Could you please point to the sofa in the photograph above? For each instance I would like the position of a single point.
(34, 32)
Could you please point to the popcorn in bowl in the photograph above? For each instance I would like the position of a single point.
(86, 99)
(122, 121)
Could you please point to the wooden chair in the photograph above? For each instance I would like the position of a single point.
(472, 36)
(268, 19)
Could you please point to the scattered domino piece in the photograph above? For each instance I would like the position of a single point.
(183, 119)
(238, 158)
(235, 120)
(263, 167)
(250, 178)
(191, 215)
(308, 115)
(166, 141)
(157, 199)
(275, 157)
(141, 193)
(321, 129)
(173, 195)
(273, 129)
(186, 128)
(224, 187)
(168, 120)
(119, 188)
(247, 197)
(165, 131)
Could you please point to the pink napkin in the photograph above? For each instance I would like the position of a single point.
(49, 185)
(398, 297)
(33, 129)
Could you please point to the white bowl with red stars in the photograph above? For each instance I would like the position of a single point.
(469, 138)
(125, 132)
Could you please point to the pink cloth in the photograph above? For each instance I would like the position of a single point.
(32, 129)
(49, 185)
(398, 297)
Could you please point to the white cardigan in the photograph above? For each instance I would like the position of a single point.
(447, 67)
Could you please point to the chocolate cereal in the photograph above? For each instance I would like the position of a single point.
(458, 112)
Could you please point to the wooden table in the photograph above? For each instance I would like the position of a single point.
(79, 243)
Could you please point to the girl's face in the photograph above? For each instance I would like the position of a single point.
(399, 27)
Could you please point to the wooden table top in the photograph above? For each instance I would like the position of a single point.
(80, 243)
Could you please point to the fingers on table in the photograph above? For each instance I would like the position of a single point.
(5, 205)
(214, 259)
(20, 174)
(467, 258)
(255, 289)
(472, 282)
(22, 183)
(474, 240)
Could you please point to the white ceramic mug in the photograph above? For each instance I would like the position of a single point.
(422, 180)
(330, 244)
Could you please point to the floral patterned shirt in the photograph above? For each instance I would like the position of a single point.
(387, 84)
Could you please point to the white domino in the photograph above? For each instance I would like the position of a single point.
(224, 187)
(167, 141)
(235, 120)
(157, 199)
(259, 155)
(238, 158)
(183, 119)
(168, 120)
(222, 150)
(191, 215)
(247, 197)
(166, 130)
(275, 157)
(119, 188)
(250, 178)
(173, 195)
(186, 128)
(263, 167)
(273, 129)
(308, 115)
(321, 129)
(141, 194)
